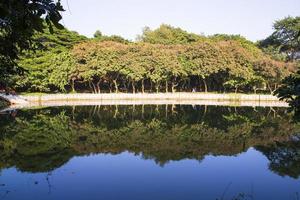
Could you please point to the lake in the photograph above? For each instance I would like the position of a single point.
(143, 152)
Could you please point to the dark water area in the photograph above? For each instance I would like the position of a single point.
(149, 152)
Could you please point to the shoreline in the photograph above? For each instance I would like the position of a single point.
(187, 98)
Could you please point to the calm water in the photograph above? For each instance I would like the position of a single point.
(149, 152)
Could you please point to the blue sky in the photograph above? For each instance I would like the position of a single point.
(252, 19)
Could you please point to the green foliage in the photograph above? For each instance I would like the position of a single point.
(61, 70)
(212, 65)
(247, 44)
(48, 60)
(44, 134)
(285, 39)
(284, 157)
(167, 34)
(19, 20)
(284, 43)
(290, 92)
(98, 36)
(167, 59)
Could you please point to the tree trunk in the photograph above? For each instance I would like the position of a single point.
(166, 111)
(270, 89)
(133, 87)
(98, 87)
(151, 86)
(116, 111)
(143, 86)
(157, 108)
(91, 87)
(205, 85)
(166, 84)
(73, 85)
(133, 110)
(173, 108)
(157, 87)
(110, 87)
(125, 86)
(224, 89)
(73, 113)
(173, 87)
(143, 111)
(94, 87)
(116, 86)
(236, 90)
(182, 86)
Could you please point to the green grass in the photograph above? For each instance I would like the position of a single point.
(32, 93)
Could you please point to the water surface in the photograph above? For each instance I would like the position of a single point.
(149, 152)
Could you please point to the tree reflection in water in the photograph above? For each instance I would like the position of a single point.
(284, 157)
(42, 140)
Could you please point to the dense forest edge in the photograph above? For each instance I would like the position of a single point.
(166, 59)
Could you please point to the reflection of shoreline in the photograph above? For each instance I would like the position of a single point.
(148, 102)
(145, 98)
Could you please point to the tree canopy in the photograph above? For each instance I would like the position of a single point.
(290, 91)
(48, 52)
(98, 36)
(166, 59)
(19, 20)
(285, 38)
(167, 34)
(100, 66)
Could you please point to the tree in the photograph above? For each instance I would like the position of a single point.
(62, 71)
(243, 42)
(285, 38)
(202, 60)
(39, 64)
(272, 71)
(19, 20)
(167, 34)
(97, 34)
(290, 92)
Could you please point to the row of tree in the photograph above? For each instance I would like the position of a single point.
(202, 66)
(164, 60)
